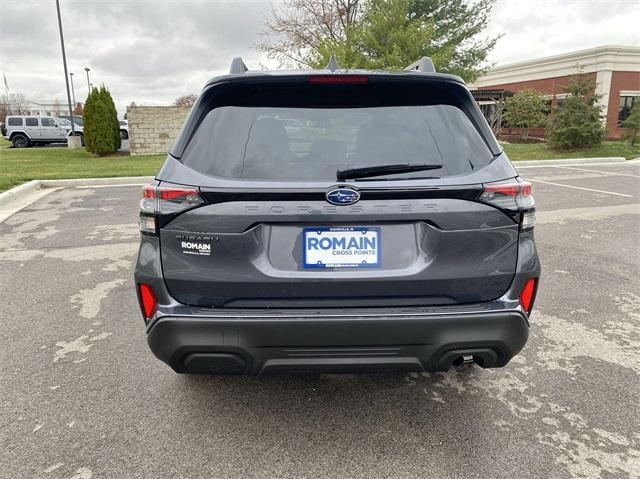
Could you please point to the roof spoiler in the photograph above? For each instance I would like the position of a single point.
(424, 65)
(237, 66)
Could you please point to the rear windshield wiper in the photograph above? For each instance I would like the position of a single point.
(369, 171)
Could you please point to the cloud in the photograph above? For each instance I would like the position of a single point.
(152, 51)
(538, 28)
(147, 51)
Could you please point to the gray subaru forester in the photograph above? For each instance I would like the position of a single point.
(336, 221)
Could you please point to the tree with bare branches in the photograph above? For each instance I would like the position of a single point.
(12, 104)
(185, 101)
(296, 30)
(381, 34)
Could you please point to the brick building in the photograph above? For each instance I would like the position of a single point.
(615, 70)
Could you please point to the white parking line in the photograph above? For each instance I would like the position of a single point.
(616, 163)
(597, 171)
(581, 188)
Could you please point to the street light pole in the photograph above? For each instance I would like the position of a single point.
(73, 91)
(64, 62)
(88, 84)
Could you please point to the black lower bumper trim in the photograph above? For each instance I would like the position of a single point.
(251, 345)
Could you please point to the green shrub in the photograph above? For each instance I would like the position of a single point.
(632, 125)
(525, 110)
(577, 123)
(100, 122)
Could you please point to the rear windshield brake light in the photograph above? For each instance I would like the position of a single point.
(338, 79)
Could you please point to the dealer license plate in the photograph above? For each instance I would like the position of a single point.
(341, 247)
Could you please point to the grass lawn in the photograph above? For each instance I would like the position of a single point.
(540, 151)
(18, 165)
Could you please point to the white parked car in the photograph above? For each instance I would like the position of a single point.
(23, 131)
(124, 129)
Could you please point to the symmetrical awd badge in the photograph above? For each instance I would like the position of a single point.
(343, 195)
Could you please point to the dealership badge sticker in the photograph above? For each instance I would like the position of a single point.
(196, 248)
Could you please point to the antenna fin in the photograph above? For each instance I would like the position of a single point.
(333, 64)
(237, 66)
(424, 65)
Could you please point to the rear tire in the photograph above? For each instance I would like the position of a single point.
(124, 135)
(20, 141)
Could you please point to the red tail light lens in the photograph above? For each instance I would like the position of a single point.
(514, 195)
(528, 294)
(148, 301)
(165, 200)
(338, 79)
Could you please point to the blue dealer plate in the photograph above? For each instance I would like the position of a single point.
(341, 247)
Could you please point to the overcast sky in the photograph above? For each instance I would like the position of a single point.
(152, 51)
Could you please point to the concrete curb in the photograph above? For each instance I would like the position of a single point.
(84, 182)
(15, 193)
(570, 161)
(21, 196)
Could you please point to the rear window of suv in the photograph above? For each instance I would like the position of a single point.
(290, 128)
(14, 122)
(311, 144)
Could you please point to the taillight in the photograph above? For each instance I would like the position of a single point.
(514, 195)
(165, 200)
(528, 294)
(338, 79)
(148, 301)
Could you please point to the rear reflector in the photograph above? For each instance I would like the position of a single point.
(148, 302)
(338, 79)
(527, 295)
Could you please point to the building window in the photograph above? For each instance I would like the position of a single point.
(624, 108)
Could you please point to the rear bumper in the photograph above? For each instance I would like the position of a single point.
(296, 342)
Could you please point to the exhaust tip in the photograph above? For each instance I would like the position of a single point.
(483, 357)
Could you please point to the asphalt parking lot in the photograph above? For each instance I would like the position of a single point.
(82, 397)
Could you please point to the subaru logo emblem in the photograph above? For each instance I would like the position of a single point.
(342, 195)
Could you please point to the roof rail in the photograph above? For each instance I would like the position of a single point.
(333, 64)
(424, 65)
(237, 66)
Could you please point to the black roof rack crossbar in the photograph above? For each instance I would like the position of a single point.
(237, 66)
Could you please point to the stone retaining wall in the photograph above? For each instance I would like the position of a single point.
(153, 129)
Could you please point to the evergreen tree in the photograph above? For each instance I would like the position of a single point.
(577, 123)
(100, 120)
(115, 125)
(384, 34)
